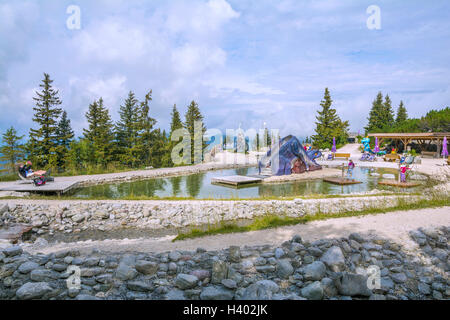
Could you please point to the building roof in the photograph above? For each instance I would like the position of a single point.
(423, 136)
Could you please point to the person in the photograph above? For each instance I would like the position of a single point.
(351, 166)
(28, 172)
(403, 170)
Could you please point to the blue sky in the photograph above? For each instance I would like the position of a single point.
(245, 61)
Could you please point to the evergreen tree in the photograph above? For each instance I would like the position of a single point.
(127, 131)
(44, 140)
(12, 150)
(99, 132)
(328, 125)
(388, 113)
(145, 143)
(376, 121)
(193, 115)
(402, 114)
(176, 120)
(65, 137)
(175, 124)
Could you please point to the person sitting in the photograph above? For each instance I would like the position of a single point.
(27, 172)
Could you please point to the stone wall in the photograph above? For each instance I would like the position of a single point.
(76, 216)
(349, 268)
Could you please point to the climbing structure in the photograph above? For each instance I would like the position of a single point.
(288, 157)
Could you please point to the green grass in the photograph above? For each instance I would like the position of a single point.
(270, 221)
(8, 177)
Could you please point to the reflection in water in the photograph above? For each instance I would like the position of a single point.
(199, 186)
(176, 185)
(194, 184)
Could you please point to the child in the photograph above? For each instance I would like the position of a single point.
(351, 166)
(403, 170)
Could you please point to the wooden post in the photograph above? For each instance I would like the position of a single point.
(343, 171)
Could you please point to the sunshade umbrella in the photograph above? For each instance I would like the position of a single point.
(444, 148)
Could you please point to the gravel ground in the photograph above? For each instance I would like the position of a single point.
(394, 226)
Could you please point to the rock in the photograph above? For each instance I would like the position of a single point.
(146, 267)
(313, 291)
(424, 288)
(78, 218)
(419, 237)
(86, 297)
(334, 259)
(329, 289)
(43, 275)
(33, 290)
(216, 293)
(284, 269)
(261, 290)
(125, 272)
(377, 297)
(351, 284)
(186, 281)
(234, 254)
(175, 294)
(297, 239)
(101, 214)
(399, 277)
(4, 208)
(314, 271)
(437, 295)
(201, 274)
(13, 251)
(279, 253)
(219, 271)
(27, 267)
(174, 256)
(140, 286)
(356, 237)
(230, 284)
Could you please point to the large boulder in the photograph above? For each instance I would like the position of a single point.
(314, 271)
(219, 271)
(351, 284)
(186, 281)
(334, 259)
(33, 290)
(284, 269)
(216, 293)
(313, 291)
(261, 290)
(146, 267)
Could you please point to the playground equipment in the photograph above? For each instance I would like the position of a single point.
(289, 156)
(366, 145)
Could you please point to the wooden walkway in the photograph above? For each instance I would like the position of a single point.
(236, 180)
(395, 183)
(341, 181)
(59, 186)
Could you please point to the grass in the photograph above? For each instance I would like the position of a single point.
(270, 221)
(8, 177)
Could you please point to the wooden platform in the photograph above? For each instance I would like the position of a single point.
(236, 180)
(395, 183)
(58, 186)
(341, 181)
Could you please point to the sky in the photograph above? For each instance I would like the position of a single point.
(246, 62)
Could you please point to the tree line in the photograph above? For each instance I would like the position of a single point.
(133, 141)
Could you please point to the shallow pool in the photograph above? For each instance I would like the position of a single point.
(199, 186)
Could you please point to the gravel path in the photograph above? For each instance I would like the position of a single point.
(394, 225)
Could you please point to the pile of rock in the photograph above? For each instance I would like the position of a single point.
(76, 216)
(324, 269)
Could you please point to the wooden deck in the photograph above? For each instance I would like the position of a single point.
(395, 183)
(58, 186)
(341, 181)
(236, 180)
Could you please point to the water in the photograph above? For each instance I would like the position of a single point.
(199, 186)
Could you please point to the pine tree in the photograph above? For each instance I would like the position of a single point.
(44, 140)
(328, 125)
(99, 132)
(12, 150)
(388, 113)
(194, 115)
(145, 135)
(175, 124)
(127, 131)
(402, 114)
(65, 137)
(376, 121)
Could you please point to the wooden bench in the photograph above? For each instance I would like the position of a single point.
(429, 154)
(341, 155)
(391, 157)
